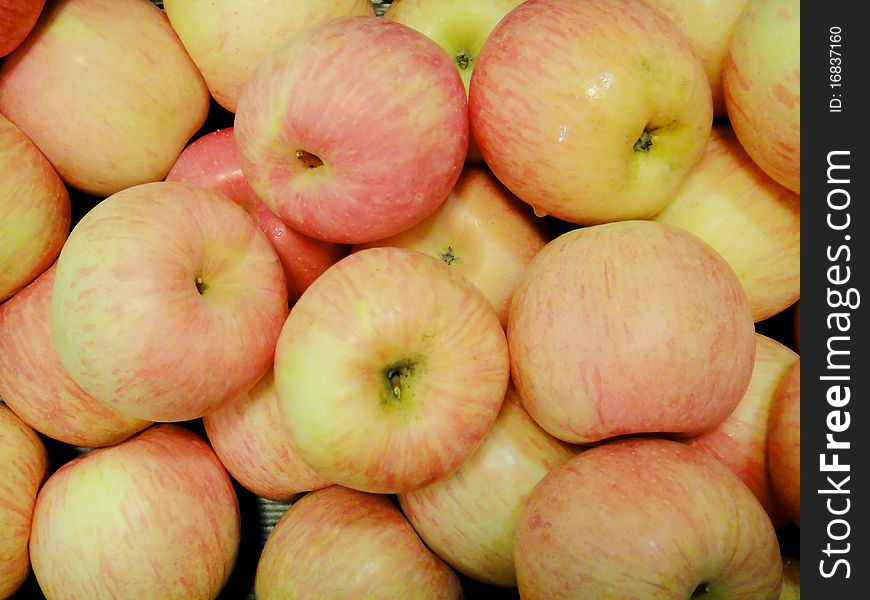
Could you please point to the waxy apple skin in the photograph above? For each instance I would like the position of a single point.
(645, 519)
(469, 518)
(212, 161)
(34, 383)
(762, 83)
(23, 466)
(153, 517)
(740, 441)
(167, 302)
(629, 327)
(341, 543)
(247, 435)
(136, 94)
(17, 18)
(748, 218)
(579, 130)
(483, 231)
(784, 443)
(228, 39)
(353, 171)
(390, 370)
(34, 211)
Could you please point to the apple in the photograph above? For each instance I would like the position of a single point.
(460, 27)
(740, 441)
(629, 327)
(708, 25)
(590, 110)
(17, 18)
(153, 517)
(469, 518)
(341, 543)
(762, 84)
(385, 389)
(34, 383)
(34, 210)
(213, 162)
(106, 91)
(23, 466)
(784, 443)
(228, 39)
(751, 220)
(483, 231)
(167, 302)
(248, 437)
(354, 130)
(791, 579)
(645, 519)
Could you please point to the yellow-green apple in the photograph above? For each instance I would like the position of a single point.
(645, 519)
(155, 516)
(341, 543)
(708, 25)
(784, 443)
(167, 302)
(213, 162)
(228, 40)
(23, 466)
(748, 218)
(34, 211)
(483, 231)
(578, 129)
(354, 130)
(247, 435)
(791, 579)
(34, 383)
(762, 85)
(106, 91)
(469, 518)
(460, 27)
(740, 441)
(383, 389)
(17, 18)
(629, 327)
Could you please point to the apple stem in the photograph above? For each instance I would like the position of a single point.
(310, 161)
(201, 286)
(701, 591)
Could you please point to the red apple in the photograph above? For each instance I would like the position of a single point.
(752, 221)
(34, 383)
(590, 110)
(17, 18)
(354, 130)
(153, 517)
(23, 466)
(645, 520)
(385, 389)
(228, 39)
(168, 301)
(106, 91)
(762, 84)
(469, 518)
(740, 441)
(627, 328)
(340, 543)
(213, 162)
(248, 437)
(784, 443)
(34, 211)
(483, 231)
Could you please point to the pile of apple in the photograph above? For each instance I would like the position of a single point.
(474, 283)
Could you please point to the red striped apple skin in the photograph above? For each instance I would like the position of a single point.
(23, 467)
(342, 543)
(630, 327)
(784, 443)
(645, 519)
(354, 130)
(153, 517)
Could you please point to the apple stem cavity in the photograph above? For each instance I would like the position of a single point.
(644, 142)
(201, 286)
(702, 591)
(463, 59)
(449, 257)
(310, 161)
